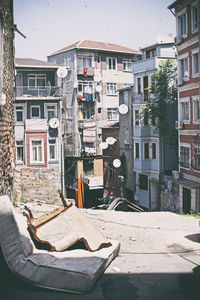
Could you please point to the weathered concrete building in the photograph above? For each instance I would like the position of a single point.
(6, 97)
(96, 71)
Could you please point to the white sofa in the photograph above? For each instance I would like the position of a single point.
(72, 271)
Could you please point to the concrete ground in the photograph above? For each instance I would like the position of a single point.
(159, 259)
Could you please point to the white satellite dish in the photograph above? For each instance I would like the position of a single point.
(110, 140)
(123, 109)
(116, 163)
(62, 72)
(98, 88)
(103, 145)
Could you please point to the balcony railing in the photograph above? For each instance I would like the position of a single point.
(40, 91)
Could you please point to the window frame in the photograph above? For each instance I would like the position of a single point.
(137, 150)
(56, 149)
(180, 28)
(153, 151)
(68, 61)
(83, 59)
(196, 155)
(184, 164)
(19, 161)
(139, 91)
(194, 53)
(36, 77)
(23, 112)
(182, 110)
(144, 151)
(194, 28)
(136, 118)
(35, 106)
(111, 89)
(127, 62)
(36, 162)
(196, 101)
(113, 63)
(86, 87)
(46, 110)
(112, 111)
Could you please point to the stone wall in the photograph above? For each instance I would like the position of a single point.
(37, 185)
(7, 145)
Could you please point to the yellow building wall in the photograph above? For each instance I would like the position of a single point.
(98, 167)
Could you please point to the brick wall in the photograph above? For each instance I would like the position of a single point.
(7, 149)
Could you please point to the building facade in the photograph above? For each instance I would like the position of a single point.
(187, 14)
(7, 154)
(95, 72)
(152, 155)
(37, 110)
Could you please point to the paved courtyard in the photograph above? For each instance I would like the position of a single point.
(159, 259)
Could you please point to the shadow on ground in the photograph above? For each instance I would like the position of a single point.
(193, 237)
(161, 286)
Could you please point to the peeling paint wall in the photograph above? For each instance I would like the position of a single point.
(169, 194)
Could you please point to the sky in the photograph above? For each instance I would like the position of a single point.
(50, 25)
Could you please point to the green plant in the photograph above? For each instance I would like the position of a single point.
(15, 198)
(22, 199)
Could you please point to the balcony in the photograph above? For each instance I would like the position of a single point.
(143, 97)
(89, 71)
(25, 92)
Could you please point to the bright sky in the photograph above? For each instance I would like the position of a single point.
(50, 25)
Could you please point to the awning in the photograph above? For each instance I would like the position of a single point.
(188, 183)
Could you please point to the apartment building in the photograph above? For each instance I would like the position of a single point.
(96, 70)
(187, 41)
(152, 155)
(37, 110)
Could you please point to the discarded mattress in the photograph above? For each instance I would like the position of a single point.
(72, 271)
(63, 227)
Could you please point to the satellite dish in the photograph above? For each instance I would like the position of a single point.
(103, 145)
(62, 72)
(75, 84)
(98, 88)
(116, 163)
(123, 109)
(54, 123)
(110, 140)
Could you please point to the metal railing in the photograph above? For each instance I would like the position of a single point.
(39, 91)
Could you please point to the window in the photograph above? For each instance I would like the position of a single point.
(85, 86)
(86, 111)
(111, 89)
(69, 113)
(35, 111)
(195, 17)
(197, 158)
(151, 53)
(143, 182)
(196, 105)
(88, 167)
(99, 110)
(145, 87)
(139, 85)
(137, 114)
(111, 63)
(146, 151)
(195, 65)
(51, 111)
(36, 80)
(68, 61)
(52, 149)
(53, 61)
(85, 61)
(184, 111)
(182, 24)
(127, 65)
(111, 114)
(20, 151)
(19, 113)
(153, 150)
(37, 151)
(185, 157)
(111, 171)
(183, 68)
(137, 150)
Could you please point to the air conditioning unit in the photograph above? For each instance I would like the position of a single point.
(178, 39)
(179, 125)
(179, 81)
